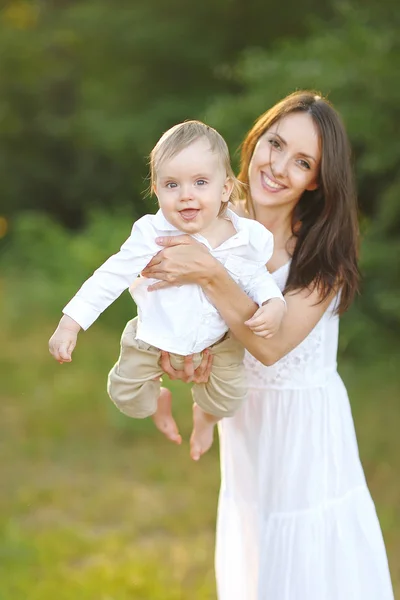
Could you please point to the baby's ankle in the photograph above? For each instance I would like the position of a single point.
(204, 417)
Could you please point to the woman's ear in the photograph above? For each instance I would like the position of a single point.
(313, 186)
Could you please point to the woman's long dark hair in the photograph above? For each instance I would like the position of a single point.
(324, 220)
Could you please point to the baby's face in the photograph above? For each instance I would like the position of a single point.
(190, 188)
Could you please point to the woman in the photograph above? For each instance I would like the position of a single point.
(295, 520)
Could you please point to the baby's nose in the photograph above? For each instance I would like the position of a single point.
(186, 193)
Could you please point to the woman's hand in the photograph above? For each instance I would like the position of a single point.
(183, 260)
(188, 373)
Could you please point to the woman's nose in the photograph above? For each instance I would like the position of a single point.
(279, 166)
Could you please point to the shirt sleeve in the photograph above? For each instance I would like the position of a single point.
(113, 277)
(260, 285)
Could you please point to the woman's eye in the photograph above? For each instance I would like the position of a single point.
(304, 164)
(274, 143)
(201, 182)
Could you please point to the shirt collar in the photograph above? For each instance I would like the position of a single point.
(242, 232)
(161, 222)
(237, 223)
(240, 237)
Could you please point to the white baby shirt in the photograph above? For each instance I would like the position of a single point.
(177, 319)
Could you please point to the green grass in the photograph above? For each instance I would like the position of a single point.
(96, 506)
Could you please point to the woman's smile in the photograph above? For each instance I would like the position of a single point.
(271, 184)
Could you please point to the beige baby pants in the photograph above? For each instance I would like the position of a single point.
(133, 388)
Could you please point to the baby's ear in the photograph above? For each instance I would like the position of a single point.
(228, 188)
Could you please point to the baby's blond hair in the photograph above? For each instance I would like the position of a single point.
(181, 136)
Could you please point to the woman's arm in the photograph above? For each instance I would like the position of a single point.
(304, 310)
(186, 261)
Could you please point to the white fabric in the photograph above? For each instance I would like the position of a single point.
(177, 319)
(296, 520)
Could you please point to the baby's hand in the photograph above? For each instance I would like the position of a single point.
(267, 319)
(63, 340)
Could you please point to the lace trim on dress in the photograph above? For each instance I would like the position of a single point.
(298, 366)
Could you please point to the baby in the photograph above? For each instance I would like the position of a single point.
(192, 177)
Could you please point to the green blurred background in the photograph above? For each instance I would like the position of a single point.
(94, 505)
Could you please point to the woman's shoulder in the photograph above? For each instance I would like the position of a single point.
(247, 222)
(253, 226)
(259, 238)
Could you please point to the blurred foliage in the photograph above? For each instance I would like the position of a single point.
(87, 88)
(44, 264)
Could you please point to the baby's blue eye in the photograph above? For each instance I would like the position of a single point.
(171, 184)
(201, 182)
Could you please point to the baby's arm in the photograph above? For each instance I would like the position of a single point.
(267, 319)
(102, 288)
(63, 340)
(264, 291)
(262, 287)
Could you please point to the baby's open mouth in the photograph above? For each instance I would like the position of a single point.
(188, 214)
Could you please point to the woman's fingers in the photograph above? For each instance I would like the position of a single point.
(156, 260)
(186, 374)
(153, 272)
(175, 240)
(165, 364)
(159, 285)
(188, 369)
(153, 267)
(185, 263)
(157, 263)
(202, 373)
(207, 372)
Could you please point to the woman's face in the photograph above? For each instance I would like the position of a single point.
(285, 162)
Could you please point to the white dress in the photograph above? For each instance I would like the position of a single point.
(296, 520)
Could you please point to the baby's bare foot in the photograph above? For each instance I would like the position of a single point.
(203, 432)
(163, 419)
